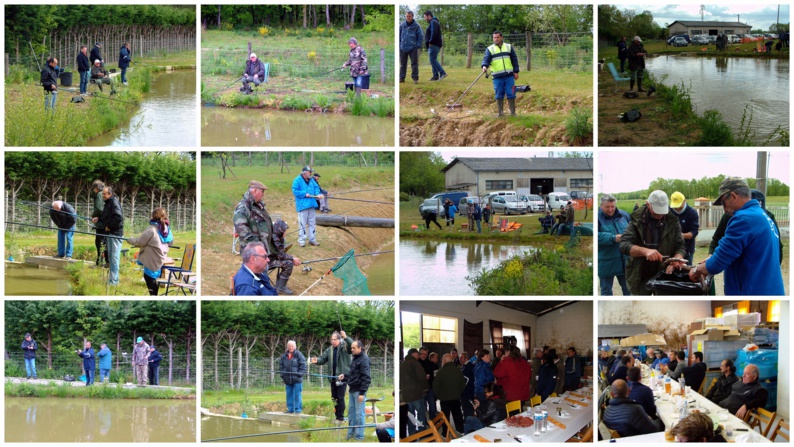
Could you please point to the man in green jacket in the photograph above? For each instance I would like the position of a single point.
(447, 387)
(653, 235)
(413, 384)
(339, 355)
(99, 205)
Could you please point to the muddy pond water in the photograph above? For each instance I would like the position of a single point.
(727, 84)
(30, 419)
(222, 126)
(167, 115)
(214, 427)
(380, 273)
(440, 268)
(28, 279)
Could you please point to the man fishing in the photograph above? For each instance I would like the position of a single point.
(101, 76)
(96, 53)
(357, 61)
(339, 354)
(140, 360)
(280, 259)
(292, 367)
(89, 364)
(254, 73)
(99, 205)
(306, 190)
(63, 216)
(501, 59)
(49, 81)
(112, 220)
(322, 203)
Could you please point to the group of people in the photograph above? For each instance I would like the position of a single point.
(472, 391)
(565, 219)
(262, 240)
(145, 360)
(746, 244)
(631, 411)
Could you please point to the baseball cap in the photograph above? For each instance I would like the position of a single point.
(728, 185)
(658, 202)
(306, 168)
(664, 361)
(317, 175)
(637, 38)
(677, 199)
(140, 339)
(252, 55)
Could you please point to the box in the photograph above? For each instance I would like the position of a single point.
(718, 333)
(715, 322)
(743, 321)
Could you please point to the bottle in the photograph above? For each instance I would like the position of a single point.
(538, 418)
(668, 386)
(545, 412)
(682, 384)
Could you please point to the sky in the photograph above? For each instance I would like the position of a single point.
(613, 176)
(758, 16)
(519, 153)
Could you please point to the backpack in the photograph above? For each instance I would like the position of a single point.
(631, 116)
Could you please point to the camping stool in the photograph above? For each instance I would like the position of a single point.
(374, 415)
(464, 226)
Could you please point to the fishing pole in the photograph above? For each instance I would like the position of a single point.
(27, 202)
(449, 109)
(326, 376)
(61, 229)
(316, 76)
(316, 282)
(341, 427)
(360, 190)
(340, 257)
(364, 201)
(233, 82)
(338, 317)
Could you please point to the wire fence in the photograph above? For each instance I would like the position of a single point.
(232, 372)
(315, 159)
(535, 51)
(173, 371)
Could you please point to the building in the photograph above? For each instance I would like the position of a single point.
(537, 175)
(695, 27)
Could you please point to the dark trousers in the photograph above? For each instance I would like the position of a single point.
(430, 400)
(622, 65)
(431, 218)
(101, 249)
(403, 421)
(154, 376)
(468, 408)
(151, 284)
(89, 376)
(338, 396)
(383, 435)
(452, 408)
(414, 55)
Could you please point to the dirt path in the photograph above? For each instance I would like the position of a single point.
(474, 131)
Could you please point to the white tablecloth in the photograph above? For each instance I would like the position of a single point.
(577, 418)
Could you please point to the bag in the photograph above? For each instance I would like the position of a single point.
(68, 378)
(523, 88)
(631, 95)
(631, 116)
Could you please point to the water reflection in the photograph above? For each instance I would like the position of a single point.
(28, 279)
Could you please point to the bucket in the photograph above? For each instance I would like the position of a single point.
(362, 82)
(348, 86)
(66, 79)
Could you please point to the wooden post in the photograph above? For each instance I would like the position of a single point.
(382, 67)
(529, 50)
(469, 50)
(8, 69)
(249, 50)
(239, 368)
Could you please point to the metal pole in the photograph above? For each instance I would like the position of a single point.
(341, 427)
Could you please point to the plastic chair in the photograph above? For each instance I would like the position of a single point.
(178, 275)
(779, 430)
(536, 400)
(759, 417)
(513, 408)
(615, 75)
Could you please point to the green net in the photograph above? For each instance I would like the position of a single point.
(355, 283)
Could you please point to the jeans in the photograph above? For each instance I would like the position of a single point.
(417, 408)
(573, 231)
(84, 75)
(432, 53)
(66, 242)
(471, 424)
(414, 55)
(479, 226)
(154, 375)
(104, 374)
(294, 398)
(89, 377)
(430, 400)
(607, 281)
(622, 65)
(30, 367)
(383, 435)
(307, 226)
(114, 257)
(124, 74)
(49, 101)
(355, 414)
(504, 86)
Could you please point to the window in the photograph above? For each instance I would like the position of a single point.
(492, 185)
(515, 331)
(696, 32)
(581, 183)
(439, 329)
(728, 31)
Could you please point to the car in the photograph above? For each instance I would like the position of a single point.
(508, 205)
(463, 205)
(430, 205)
(534, 203)
(680, 42)
(733, 38)
(700, 40)
(712, 39)
(557, 199)
(453, 196)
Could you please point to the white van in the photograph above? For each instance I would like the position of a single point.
(557, 199)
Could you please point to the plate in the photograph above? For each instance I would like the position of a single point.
(745, 438)
(459, 440)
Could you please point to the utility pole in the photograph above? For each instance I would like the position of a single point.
(760, 172)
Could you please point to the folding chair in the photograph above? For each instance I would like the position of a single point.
(179, 275)
(430, 434)
(618, 79)
(513, 408)
(758, 418)
(782, 429)
(441, 421)
(713, 382)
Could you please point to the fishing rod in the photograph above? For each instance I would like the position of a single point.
(233, 82)
(316, 76)
(326, 376)
(338, 317)
(340, 257)
(362, 200)
(360, 190)
(61, 229)
(449, 108)
(27, 202)
(341, 427)
(34, 55)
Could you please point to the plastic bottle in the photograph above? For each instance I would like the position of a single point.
(537, 416)
(545, 412)
(682, 384)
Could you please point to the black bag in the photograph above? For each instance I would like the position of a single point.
(631, 116)
(631, 95)
(523, 88)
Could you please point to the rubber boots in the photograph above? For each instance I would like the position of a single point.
(281, 287)
(512, 103)
(500, 104)
(631, 85)
(639, 84)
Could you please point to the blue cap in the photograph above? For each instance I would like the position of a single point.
(664, 361)
(140, 339)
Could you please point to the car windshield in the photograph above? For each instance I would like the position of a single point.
(563, 197)
(430, 203)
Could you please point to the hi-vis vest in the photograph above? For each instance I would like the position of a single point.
(500, 59)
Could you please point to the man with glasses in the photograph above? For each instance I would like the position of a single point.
(254, 72)
(339, 355)
(750, 249)
(252, 279)
(652, 236)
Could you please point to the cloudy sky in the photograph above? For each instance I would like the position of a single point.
(613, 177)
(759, 16)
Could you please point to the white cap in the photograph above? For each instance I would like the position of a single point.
(97, 61)
(637, 38)
(658, 202)
(252, 55)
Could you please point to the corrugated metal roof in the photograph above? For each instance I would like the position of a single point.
(706, 23)
(523, 164)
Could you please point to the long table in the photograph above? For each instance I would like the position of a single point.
(576, 418)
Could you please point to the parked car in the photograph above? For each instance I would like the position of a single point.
(557, 199)
(671, 39)
(733, 38)
(508, 205)
(463, 205)
(453, 196)
(430, 205)
(534, 203)
(712, 39)
(680, 42)
(700, 40)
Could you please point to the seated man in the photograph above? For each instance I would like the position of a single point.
(546, 222)
(101, 76)
(626, 416)
(746, 395)
(695, 374)
(679, 367)
(697, 427)
(251, 279)
(281, 259)
(322, 204)
(640, 393)
(621, 373)
(254, 72)
(664, 367)
(722, 389)
(561, 221)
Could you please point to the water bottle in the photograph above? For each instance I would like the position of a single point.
(545, 413)
(537, 416)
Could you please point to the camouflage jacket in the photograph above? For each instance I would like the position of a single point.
(140, 354)
(253, 224)
(357, 61)
(280, 243)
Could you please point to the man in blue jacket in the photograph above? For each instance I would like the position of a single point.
(749, 251)
(689, 220)
(124, 61)
(433, 43)
(306, 190)
(89, 363)
(154, 365)
(292, 368)
(84, 68)
(611, 262)
(252, 279)
(105, 362)
(640, 393)
(410, 43)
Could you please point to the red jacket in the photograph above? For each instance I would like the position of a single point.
(514, 376)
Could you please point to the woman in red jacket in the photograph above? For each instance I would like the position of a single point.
(513, 374)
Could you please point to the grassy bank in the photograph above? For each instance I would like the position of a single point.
(74, 124)
(94, 392)
(557, 111)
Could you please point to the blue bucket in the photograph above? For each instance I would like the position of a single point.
(362, 82)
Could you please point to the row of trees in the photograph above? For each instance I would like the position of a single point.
(613, 23)
(509, 18)
(60, 327)
(262, 329)
(148, 178)
(705, 187)
(292, 16)
(420, 174)
(226, 161)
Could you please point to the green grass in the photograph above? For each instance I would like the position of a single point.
(579, 126)
(94, 392)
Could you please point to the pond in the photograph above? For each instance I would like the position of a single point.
(99, 420)
(166, 117)
(440, 268)
(28, 279)
(214, 427)
(380, 273)
(727, 84)
(222, 126)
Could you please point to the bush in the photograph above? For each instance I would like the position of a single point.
(715, 131)
(382, 107)
(404, 197)
(295, 103)
(578, 125)
(360, 106)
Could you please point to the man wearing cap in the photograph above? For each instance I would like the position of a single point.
(306, 190)
(322, 204)
(750, 250)
(652, 235)
(357, 61)
(29, 347)
(96, 54)
(140, 360)
(689, 221)
(637, 55)
(101, 76)
(254, 72)
(89, 363)
(154, 366)
(105, 362)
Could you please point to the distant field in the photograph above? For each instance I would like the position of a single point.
(628, 205)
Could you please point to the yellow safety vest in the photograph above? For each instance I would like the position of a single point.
(500, 59)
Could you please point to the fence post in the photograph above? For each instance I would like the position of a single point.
(529, 50)
(239, 368)
(382, 66)
(469, 50)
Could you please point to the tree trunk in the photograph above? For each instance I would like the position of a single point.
(305, 11)
(219, 16)
(363, 18)
(353, 16)
(327, 21)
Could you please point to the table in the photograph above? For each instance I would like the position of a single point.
(577, 418)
